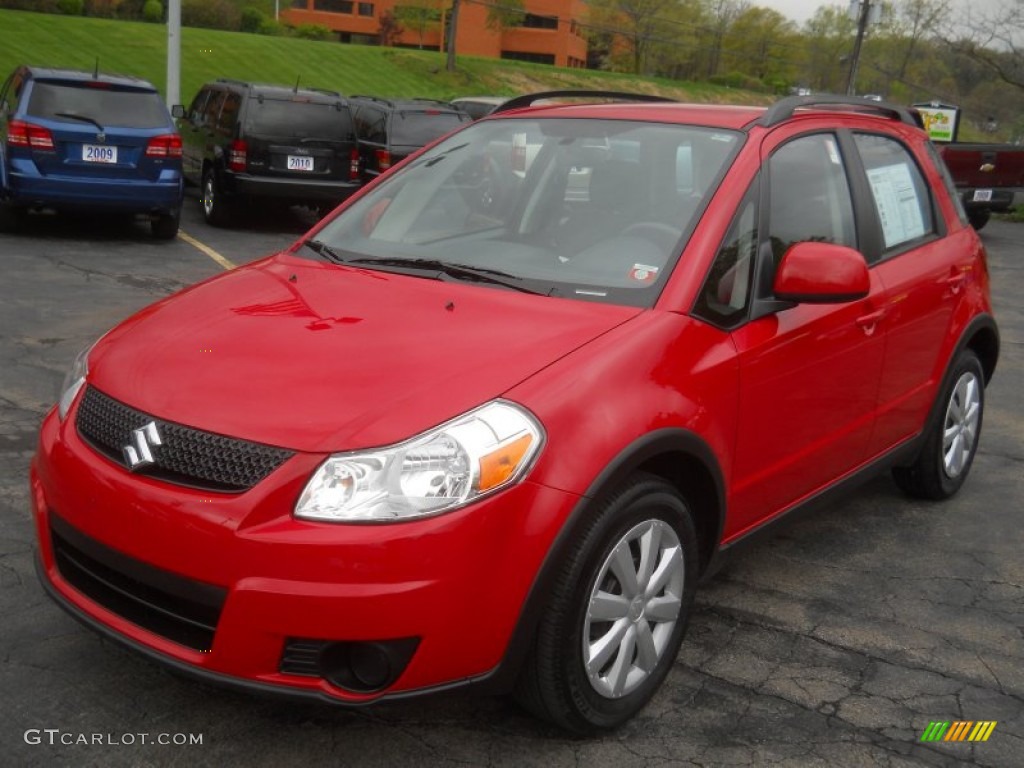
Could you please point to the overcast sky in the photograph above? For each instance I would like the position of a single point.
(802, 10)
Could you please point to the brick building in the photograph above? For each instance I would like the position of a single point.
(550, 32)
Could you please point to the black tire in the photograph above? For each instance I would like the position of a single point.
(217, 209)
(165, 226)
(11, 217)
(554, 683)
(979, 218)
(951, 437)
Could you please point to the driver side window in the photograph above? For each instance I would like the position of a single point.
(809, 195)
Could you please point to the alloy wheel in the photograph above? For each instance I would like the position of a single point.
(635, 602)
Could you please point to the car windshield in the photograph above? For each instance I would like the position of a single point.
(590, 209)
(96, 100)
(299, 118)
(417, 129)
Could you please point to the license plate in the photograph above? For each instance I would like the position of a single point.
(300, 163)
(982, 196)
(95, 153)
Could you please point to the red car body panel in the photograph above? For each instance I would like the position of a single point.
(314, 334)
(320, 358)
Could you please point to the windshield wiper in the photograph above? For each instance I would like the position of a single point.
(458, 271)
(81, 118)
(325, 250)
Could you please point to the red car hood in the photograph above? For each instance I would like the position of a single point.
(317, 357)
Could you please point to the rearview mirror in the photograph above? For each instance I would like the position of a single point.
(821, 273)
(178, 110)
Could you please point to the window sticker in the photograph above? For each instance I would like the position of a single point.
(643, 273)
(896, 200)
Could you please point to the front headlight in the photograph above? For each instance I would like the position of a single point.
(73, 382)
(449, 466)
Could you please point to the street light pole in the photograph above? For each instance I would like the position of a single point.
(173, 52)
(862, 26)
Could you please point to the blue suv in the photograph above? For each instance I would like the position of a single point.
(87, 141)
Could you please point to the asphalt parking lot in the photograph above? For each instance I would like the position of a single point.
(836, 640)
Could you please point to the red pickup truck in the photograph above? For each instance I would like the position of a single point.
(987, 176)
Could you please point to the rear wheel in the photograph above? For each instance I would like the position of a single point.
(617, 613)
(951, 440)
(165, 226)
(217, 210)
(979, 218)
(11, 216)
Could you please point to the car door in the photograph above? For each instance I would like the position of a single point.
(193, 141)
(924, 274)
(809, 373)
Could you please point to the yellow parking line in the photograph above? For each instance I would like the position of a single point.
(203, 247)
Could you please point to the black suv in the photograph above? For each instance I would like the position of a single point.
(246, 141)
(390, 130)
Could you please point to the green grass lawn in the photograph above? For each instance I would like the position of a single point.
(140, 49)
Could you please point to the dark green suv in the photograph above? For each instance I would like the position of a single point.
(245, 142)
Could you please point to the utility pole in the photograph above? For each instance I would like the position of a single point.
(862, 27)
(173, 53)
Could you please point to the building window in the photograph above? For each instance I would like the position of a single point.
(534, 21)
(536, 58)
(366, 9)
(301, 4)
(332, 6)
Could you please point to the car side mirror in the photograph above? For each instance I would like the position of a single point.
(178, 111)
(821, 273)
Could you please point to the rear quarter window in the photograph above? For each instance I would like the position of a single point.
(107, 105)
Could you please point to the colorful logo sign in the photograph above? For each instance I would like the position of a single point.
(959, 730)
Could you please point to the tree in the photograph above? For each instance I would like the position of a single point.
(995, 40)
(390, 30)
(502, 14)
(419, 16)
(722, 13)
(758, 43)
(639, 20)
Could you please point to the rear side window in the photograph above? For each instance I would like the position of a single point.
(299, 118)
(109, 106)
(899, 191)
(415, 129)
(947, 182)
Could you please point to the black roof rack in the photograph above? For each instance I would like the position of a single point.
(527, 100)
(783, 109)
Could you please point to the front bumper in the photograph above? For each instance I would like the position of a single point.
(455, 583)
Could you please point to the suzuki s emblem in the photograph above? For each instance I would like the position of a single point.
(101, 137)
(139, 452)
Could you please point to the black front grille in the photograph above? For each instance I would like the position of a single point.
(182, 610)
(185, 456)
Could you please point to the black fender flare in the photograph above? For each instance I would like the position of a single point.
(661, 444)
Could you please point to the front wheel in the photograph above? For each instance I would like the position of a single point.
(951, 439)
(617, 613)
